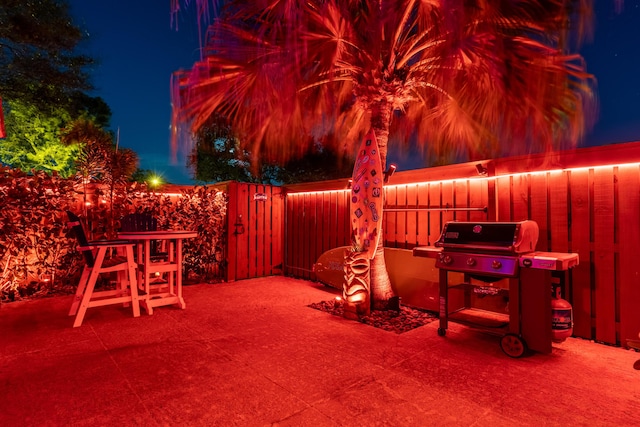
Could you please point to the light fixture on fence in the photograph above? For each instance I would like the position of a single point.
(349, 184)
(390, 171)
(482, 170)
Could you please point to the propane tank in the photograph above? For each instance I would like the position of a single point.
(561, 317)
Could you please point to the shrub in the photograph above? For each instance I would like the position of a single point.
(34, 248)
(38, 255)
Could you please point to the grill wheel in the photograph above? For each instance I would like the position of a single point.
(513, 345)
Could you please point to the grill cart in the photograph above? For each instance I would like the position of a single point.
(499, 259)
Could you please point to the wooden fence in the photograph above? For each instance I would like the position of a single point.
(585, 201)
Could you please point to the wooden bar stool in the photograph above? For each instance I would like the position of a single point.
(101, 256)
(155, 257)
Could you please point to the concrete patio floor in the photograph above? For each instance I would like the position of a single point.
(251, 353)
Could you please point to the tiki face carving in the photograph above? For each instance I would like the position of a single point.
(356, 277)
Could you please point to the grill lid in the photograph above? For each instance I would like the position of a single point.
(503, 237)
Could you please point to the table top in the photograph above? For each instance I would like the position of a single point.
(159, 234)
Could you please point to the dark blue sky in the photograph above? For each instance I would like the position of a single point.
(138, 49)
(614, 58)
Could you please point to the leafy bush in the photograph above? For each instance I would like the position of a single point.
(38, 255)
(33, 243)
(199, 209)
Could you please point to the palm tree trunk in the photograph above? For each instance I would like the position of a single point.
(381, 290)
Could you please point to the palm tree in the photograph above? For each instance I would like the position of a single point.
(464, 77)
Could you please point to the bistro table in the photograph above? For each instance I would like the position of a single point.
(159, 291)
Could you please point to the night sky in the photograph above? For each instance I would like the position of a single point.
(138, 49)
(613, 56)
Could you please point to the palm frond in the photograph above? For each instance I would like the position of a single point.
(470, 78)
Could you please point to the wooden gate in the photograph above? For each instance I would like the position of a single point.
(255, 219)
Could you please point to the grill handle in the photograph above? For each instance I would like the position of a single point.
(479, 248)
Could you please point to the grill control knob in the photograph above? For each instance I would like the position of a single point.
(446, 259)
(471, 262)
(496, 265)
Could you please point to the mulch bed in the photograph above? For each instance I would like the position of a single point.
(390, 320)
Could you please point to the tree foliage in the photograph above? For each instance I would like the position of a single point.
(50, 140)
(43, 85)
(100, 159)
(218, 156)
(37, 54)
(473, 78)
(33, 140)
(318, 164)
(97, 145)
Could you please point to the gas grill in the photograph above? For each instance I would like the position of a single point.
(488, 254)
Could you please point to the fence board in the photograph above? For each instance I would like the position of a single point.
(520, 197)
(401, 218)
(269, 244)
(299, 216)
(478, 198)
(504, 194)
(277, 236)
(629, 232)
(293, 233)
(297, 229)
(253, 231)
(242, 251)
(249, 237)
(326, 222)
(309, 233)
(390, 219)
(422, 225)
(311, 210)
(461, 199)
(232, 239)
(346, 202)
(559, 212)
(435, 217)
(335, 222)
(447, 200)
(267, 249)
(412, 216)
(603, 239)
(343, 218)
(320, 219)
(539, 208)
(580, 293)
(261, 222)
